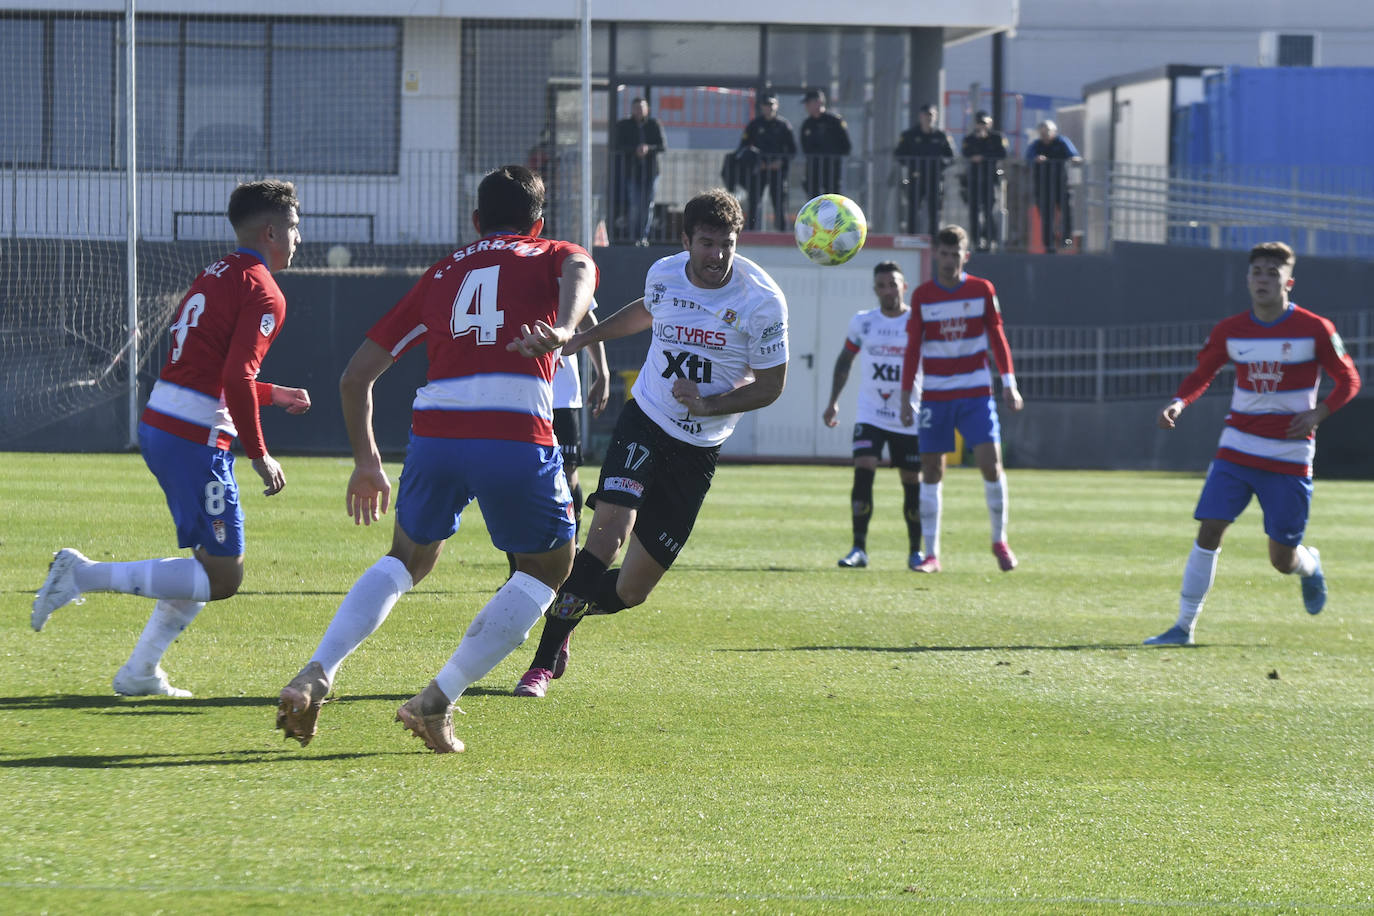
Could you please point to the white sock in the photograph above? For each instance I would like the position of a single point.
(361, 612)
(995, 491)
(932, 497)
(180, 578)
(1198, 574)
(1307, 564)
(496, 631)
(169, 618)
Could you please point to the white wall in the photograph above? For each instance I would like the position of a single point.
(820, 302)
(1061, 45)
(965, 14)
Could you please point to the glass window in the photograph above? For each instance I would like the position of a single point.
(82, 107)
(335, 97)
(159, 97)
(224, 95)
(21, 104)
(727, 50)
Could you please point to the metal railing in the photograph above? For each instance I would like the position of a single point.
(1325, 211)
(1139, 361)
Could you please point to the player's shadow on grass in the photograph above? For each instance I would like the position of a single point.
(157, 761)
(147, 706)
(1071, 647)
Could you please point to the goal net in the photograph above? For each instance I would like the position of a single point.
(385, 125)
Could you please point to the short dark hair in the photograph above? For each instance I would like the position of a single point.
(928, 108)
(637, 99)
(269, 197)
(886, 267)
(952, 236)
(1276, 250)
(717, 208)
(511, 197)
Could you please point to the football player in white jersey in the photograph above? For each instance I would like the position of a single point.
(719, 348)
(878, 337)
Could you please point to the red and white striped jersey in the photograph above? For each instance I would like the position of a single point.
(1278, 367)
(208, 390)
(950, 335)
(467, 308)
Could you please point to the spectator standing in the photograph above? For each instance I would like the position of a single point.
(770, 140)
(825, 141)
(638, 141)
(1049, 156)
(984, 148)
(923, 152)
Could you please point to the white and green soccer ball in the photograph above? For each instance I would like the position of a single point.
(830, 229)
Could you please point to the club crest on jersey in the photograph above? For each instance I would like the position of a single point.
(730, 316)
(269, 321)
(1266, 375)
(220, 531)
(953, 328)
(659, 289)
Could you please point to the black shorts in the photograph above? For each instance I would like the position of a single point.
(567, 429)
(902, 448)
(664, 479)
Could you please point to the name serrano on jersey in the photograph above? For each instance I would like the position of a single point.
(515, 247)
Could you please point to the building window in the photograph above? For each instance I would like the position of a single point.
(1297, 50)
(222, 95)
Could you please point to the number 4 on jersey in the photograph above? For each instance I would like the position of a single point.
(475, 309)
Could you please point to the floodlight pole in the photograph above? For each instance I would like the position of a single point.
(131, 229)
(585, 231)
(585, 140)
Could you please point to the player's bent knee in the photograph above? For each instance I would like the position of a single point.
(225, 583)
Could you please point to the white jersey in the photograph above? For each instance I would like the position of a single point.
(715, 337)
(880, 342)
(567, 382)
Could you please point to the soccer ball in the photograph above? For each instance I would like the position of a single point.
(830, 229)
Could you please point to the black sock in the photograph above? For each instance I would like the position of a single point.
(605, 598)
(586, 572)
(861, 504)
(911, 510)
(556, 629)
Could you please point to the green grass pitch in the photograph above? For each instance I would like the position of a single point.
(768, 734)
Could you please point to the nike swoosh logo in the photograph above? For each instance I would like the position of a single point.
(1240, 352)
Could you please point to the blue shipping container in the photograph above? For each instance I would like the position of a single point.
(1292, 116)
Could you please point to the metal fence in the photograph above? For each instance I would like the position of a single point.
(1139, 361)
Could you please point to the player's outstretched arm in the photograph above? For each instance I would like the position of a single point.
(632, 319)
(369, 490)
(576, 284)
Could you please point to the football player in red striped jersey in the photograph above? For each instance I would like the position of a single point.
(207, 393)
(1279, 350)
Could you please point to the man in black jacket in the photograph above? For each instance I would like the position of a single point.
(825, 141)
(638, 141)
(923, 152)
(771, 136)
(983, 149)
